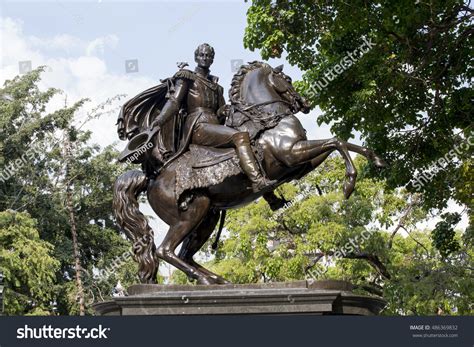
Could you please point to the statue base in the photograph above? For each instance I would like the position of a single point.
(328, 297)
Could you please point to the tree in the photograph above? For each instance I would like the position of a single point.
(400, 73)
(61, 192)
(28, 265)
(321, 235)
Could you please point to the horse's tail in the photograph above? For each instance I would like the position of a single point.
(127, 188)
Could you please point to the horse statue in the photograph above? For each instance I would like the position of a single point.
(191, 192)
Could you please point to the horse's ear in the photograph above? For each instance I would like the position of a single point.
(278, 69)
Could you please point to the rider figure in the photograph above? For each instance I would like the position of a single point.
(202, 97)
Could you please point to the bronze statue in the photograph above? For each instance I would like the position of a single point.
(194, 167)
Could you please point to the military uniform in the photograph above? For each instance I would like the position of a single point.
(201, 97)
(203, 100)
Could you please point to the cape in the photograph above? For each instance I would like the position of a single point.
(138, 113)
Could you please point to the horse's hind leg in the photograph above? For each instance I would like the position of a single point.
(188, 220)
(194, 242)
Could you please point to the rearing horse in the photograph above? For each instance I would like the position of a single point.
(259, 95)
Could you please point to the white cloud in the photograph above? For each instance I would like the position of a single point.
(62, 42)
(74, 65)
(98, 45)
(88, 68)
(14, 46)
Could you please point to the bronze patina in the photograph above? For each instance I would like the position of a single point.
(200, 157)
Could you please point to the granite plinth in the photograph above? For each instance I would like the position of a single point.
(300, 297)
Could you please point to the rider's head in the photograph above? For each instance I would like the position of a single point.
(204, 55)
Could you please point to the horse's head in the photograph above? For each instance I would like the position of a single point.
(259, 83)
(283, 85)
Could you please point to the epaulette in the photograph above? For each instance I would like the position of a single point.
(183, 73)
(214, 79)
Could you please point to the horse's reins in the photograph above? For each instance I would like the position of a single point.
(265, 103)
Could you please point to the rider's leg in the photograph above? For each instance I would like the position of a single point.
(215, 135)
(248, 163)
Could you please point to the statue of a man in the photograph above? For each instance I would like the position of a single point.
(202, 97)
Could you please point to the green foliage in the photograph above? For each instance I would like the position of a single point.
(32, 144)
(325, 236)
(28, 265)
(179, 277)
(410, 96)
(425, 283)
(443, 235)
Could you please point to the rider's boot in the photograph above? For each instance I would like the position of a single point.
(249, 164)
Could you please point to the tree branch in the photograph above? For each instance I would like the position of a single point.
(403, 218)
(373, 260)
(370, 289)
(416, 241)
(316, 259)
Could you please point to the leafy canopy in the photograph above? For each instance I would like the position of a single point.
(410, 96)
(371, 240)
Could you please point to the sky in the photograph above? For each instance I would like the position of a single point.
(86, 44)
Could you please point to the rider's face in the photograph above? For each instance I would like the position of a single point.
(204, 58)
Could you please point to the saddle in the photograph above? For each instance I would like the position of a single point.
(202, 156)
(201, 167)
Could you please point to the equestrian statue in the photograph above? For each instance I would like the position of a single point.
(200, 156)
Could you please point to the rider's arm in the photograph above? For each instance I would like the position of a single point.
(173, 103)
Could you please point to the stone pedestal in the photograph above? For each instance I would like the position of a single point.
(300, 297)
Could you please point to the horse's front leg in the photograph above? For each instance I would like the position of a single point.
(317, 151)
(368, 153)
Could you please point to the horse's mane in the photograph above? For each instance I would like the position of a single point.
(237, 80)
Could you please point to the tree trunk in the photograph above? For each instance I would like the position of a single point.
(72, 222)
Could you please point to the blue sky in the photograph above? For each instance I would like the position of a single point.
(158, 34)
(87, 43)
